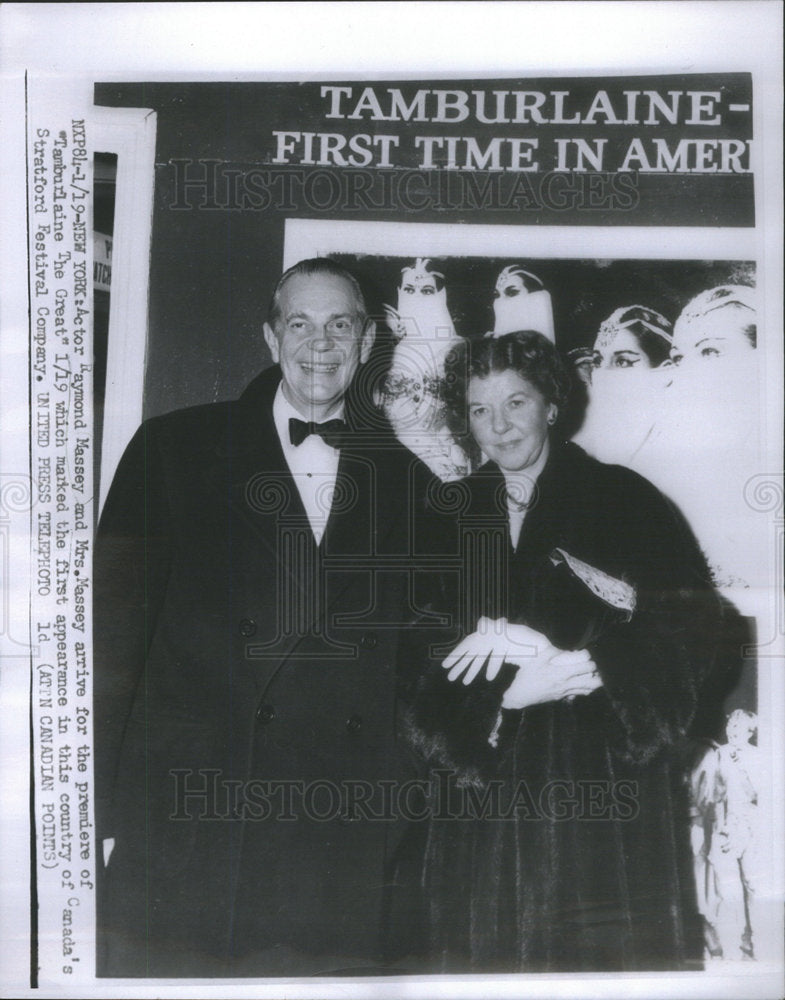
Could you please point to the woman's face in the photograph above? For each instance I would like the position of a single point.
(719, 334)
(509, 418)
(624, 351)
(510, 287)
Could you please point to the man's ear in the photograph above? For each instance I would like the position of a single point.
(272, 342)
(367, 340)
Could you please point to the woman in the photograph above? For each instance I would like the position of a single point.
(632, 337)
(719, 323)
(558, 834)
(520, 300)
(632, 368)
(712, 410)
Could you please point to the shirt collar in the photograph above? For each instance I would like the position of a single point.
(283, 411)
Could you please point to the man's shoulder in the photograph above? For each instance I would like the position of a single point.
(195, 428)
(190, 417)
(200, 415)
(189, 433)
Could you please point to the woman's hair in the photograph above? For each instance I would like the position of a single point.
(655, 348)
(531, 355)
(739, 297)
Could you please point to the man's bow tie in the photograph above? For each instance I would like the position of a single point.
(332, 432)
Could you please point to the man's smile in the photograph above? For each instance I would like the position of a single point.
(320, 367)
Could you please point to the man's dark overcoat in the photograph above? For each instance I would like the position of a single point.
(231, 649)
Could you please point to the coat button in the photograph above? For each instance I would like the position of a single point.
(265, 713)
(354, 724)
(247, 627)
(369, 641)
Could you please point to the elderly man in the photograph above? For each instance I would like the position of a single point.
(253, 574)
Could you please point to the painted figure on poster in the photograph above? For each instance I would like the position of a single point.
(521, 302)
(412, 393)
(719, 323)
(582, 361)
(726, 840)
(709, 421)
(631, 370)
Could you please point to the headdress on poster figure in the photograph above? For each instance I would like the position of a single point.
(421, 310)
(418, 277)
(709, 301)
(580, 354)
(582, 361)
(636, 319)
(521, 302)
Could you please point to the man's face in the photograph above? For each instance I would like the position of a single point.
(319, 341)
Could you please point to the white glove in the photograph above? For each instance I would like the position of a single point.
(545, 673)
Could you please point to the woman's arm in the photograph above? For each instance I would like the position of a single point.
(654, 665)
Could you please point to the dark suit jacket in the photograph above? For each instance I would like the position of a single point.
(230, 649)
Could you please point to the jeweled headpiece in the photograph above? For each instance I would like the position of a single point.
(718, 298)
(633, 318)
(513, 270)
(419, 275)
(521, 308)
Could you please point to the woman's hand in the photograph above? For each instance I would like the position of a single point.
(566, 676)
(493, 643)
(545, 673)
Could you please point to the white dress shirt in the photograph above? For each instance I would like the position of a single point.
(313, 464)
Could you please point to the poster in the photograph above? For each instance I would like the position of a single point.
(161, 209)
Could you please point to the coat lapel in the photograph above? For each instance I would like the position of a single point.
(544, 523)
(250, 470)
(359, 522)
(276, 545)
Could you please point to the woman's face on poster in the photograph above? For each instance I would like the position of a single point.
(718, 335)
(509, 287)
(427, 287)
(509, 419)
(624, 351)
